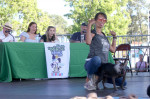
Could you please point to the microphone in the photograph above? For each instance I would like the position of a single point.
(13, 37)
(84, 31)
(9, 31)
(39, 34)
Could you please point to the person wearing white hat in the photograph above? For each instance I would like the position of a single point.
(5, 34)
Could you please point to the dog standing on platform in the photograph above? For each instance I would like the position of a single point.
(112, 71)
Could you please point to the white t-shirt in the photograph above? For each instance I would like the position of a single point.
(9, 38)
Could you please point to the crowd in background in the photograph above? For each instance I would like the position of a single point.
(94, 95)
(30, 35)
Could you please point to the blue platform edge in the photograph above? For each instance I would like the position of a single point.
(138, 98)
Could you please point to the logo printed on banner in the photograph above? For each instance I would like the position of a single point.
(56, 52)
(56, 74)
(57, 59)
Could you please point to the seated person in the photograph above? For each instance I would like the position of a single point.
(30, 35)
(5, 35)
(76, 37)
(148, 63)
(50, 35)
(141, 65)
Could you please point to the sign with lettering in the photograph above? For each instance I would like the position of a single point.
(57, 59)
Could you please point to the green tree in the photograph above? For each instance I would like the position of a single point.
(118, 17)
(138, 10)
(21, 12)
(59, 23)
(139, 16)
(18, 12)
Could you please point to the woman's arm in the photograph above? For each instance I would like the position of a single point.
(113, 46)
(22, 38)
(41, 40)
(89, 35)
(56, 38)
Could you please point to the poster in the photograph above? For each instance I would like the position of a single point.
(57, 59)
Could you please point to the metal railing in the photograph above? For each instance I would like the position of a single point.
(139, 43)
(135, 40)
(138, 39)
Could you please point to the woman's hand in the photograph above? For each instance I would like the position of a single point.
(89, 35)
(113, 33)
(1, 40)
(113, 46)
(22, 38)
(91, 21)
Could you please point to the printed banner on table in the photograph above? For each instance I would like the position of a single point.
(57, 59)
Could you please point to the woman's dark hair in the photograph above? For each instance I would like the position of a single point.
(47, 34)
(30, 26)
(100, 13)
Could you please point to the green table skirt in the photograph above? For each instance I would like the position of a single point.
(27, 60)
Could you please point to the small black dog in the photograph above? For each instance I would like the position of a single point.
(112, 71)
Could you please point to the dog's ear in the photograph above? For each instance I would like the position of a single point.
(117, 62)
(122, 65)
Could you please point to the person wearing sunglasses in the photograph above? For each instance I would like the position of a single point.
(5, 34)
(99, 50)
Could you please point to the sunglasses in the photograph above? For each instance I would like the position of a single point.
(8, 31)
(102, 20)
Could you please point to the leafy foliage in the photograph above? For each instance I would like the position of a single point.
(138, 10)
(21, 12)
(118, 18)
(59, 22)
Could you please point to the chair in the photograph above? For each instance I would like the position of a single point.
(122, 54)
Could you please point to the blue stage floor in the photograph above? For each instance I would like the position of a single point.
(67, 88)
